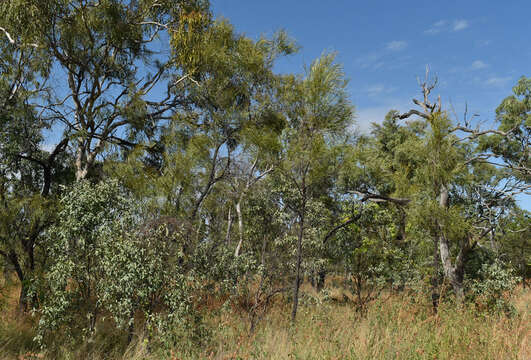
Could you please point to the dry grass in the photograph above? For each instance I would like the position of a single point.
(400, 327)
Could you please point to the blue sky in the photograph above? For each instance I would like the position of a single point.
(477, 49)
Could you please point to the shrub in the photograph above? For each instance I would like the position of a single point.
(103, 265)
(492, 287)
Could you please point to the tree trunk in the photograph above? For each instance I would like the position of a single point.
(321, 277)
(296, 283)
(454, 273)
(47, 180)
(435, 279)
(229, 225)
(493, 245)
(81, 168)
(81, 173)
(131, 331)
(23, 302)
(23, 297)
(450, 271)
(240, 227)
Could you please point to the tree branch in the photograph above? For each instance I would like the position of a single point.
(340, 226)
(366, 196)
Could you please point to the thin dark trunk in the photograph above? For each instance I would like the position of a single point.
(358, 291)
(47, 167)
(321, 277)
(297, 281)
(313, 279)
(23, 302)
(23, 297)
(47, 180)
(130, 332)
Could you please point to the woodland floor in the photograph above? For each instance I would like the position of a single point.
(395, 327)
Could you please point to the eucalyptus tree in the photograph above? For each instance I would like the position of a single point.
(378, 168)
(318, 111)
(230, 113)
(89, 69)
(27, 202)
(367, 254)
(243, 183)
(455, 178)
(24, 216)
(430, 165)
(376, 183)
(26, 169)
(106, 75)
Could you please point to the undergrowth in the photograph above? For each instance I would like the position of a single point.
(397, 326)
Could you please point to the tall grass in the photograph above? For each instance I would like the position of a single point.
(400, 326)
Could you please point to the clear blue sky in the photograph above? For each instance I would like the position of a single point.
(477, 49)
